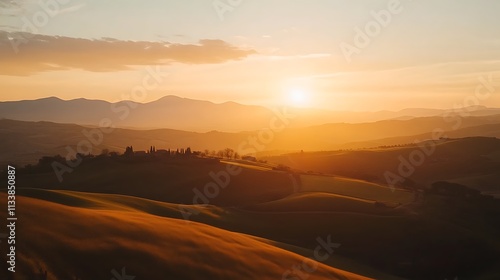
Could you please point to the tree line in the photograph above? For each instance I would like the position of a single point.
(45, 162)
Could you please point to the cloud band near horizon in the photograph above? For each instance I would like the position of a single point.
(39, 53)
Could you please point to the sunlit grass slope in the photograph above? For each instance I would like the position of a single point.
(363, 229)
(444, 160)
(354, 188)
(315, 201)
(90, 243)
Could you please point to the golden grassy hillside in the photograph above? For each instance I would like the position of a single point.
(90, 243)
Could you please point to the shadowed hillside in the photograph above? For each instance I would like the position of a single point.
(474, 161)
(168, 180)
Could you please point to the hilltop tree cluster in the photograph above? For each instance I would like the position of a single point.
(129, 151)
(225, 153)
(46, 163)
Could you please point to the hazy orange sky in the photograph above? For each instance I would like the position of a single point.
(301, 53)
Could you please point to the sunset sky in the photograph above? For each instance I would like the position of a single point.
(266, 52)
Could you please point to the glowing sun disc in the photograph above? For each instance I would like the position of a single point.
(298, 97)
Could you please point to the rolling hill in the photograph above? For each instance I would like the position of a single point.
(487, 130)
(25, 142)
(474, 160)
(433, 240)
(126, 242)
(175, 181)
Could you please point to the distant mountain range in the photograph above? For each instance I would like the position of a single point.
(193, 115)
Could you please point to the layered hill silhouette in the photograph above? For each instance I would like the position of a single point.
(323, 177)
(194, 115)
(472, 161)
(25, 142)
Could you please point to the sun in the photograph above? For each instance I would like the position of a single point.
(298, 98)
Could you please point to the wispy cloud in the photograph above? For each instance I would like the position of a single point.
(10, 3)
(41, 53)
(11, 8)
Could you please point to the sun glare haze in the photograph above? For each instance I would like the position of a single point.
(249, 139)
